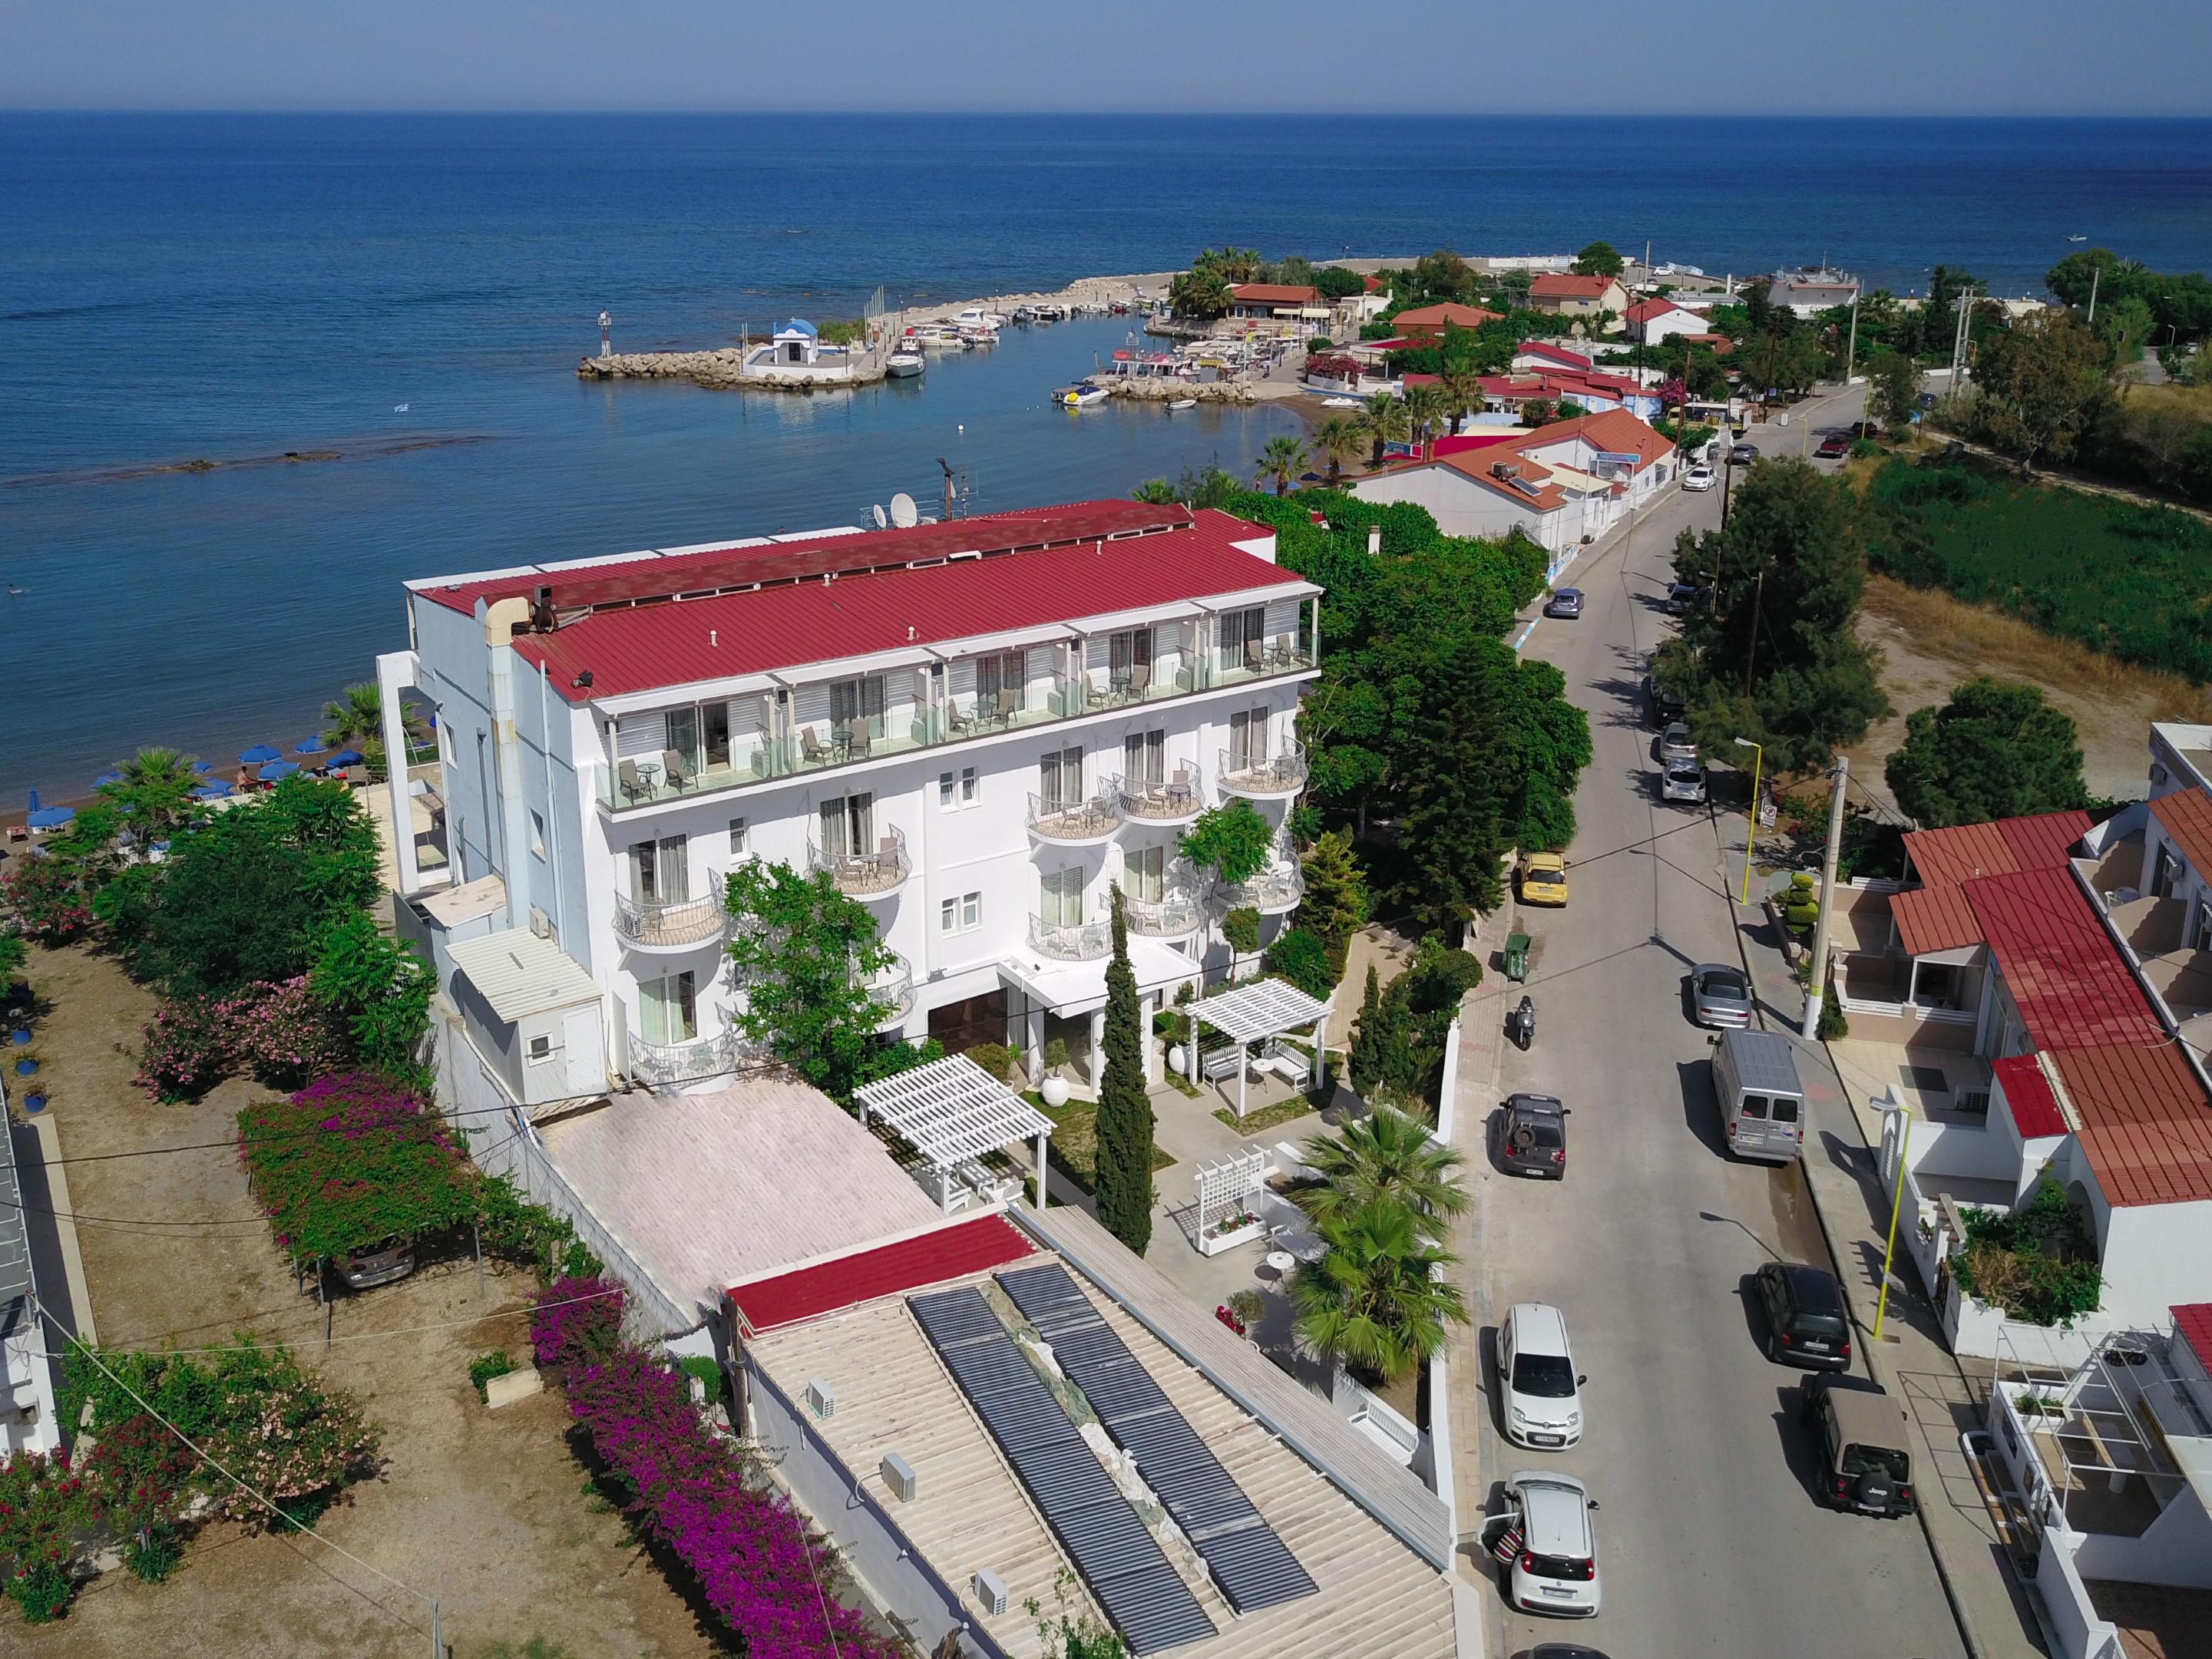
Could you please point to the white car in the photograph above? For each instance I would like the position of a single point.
(1698, 477)
(1538, 1386)
(1555, 1569)
(1683, 781)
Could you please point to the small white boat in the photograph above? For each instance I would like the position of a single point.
(970, 316)
(1341, 402)
(1182, 402)
(973, 335)
(1084, 396)
(903, 365)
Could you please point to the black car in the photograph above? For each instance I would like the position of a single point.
(1743, 454)
(1564, 602)
(1533, 1138)
(1665, 707)
(1806, 1325)
(1862, 1440)
(1683, 597)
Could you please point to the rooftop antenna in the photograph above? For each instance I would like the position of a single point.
(904, 513)
(947, 466)
(877, 510)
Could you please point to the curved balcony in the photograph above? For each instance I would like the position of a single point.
(648, 925)
(1265, 777)
(1174, 914)
(875, 873)
(1082, 941)
(1271, 892)
(1083, 823)
(1162, 805)
(894, 988)
(664, 1064)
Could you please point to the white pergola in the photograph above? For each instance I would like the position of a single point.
(952, 1111)
(1265, 1008)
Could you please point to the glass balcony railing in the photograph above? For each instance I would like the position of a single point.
(1080, 941)
(1283, 773)
(881, 870)
(1083, 823)
(652, 926)
(663, 1064)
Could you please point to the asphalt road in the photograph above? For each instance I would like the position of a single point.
(1710, 1543)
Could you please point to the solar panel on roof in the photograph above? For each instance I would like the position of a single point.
(1119, 1558)
(1253, 1566)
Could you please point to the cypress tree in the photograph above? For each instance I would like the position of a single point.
(1122, 1180)
(1366, 1061)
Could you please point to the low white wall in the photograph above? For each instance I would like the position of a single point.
(2081, 1634)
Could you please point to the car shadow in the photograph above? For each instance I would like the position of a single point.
(1798, 1453)
(1700, 1111)
(1755, 1315)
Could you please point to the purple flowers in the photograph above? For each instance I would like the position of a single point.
(763, 1568)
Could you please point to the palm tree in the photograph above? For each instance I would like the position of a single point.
(1375, 1302)
(1384, 421)
(1202, 294)
(1341, 440)
(1156, 492)
(154, 788)
(356, 718)
(1384, 1158)
(1462, 392)
(1282, 457)
(1425, 408)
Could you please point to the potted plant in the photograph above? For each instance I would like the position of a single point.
(1055, 1087)
(27, 1061)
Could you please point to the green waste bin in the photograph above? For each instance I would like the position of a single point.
(1516, 957)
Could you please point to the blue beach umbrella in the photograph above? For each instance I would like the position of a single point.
(47, 817)
(348, 757)
(308, 746)
(259, 753)
(107, 778)
(203, 767)
(272, 771)
(214, 791)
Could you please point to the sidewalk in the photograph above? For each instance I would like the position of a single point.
(1996, 1616)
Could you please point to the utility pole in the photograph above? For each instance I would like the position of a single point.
(2095, 271)
(1816, 987)
(1851, 352)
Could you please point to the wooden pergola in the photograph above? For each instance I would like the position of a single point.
(952, 1111)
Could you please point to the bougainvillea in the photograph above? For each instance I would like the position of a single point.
(48, 894)
(760, 1565)
(44, 1502)
(276, 1034)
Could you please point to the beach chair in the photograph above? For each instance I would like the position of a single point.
(810, 747)
(1254, 654)
(887, 857)
(1140, 681)
(632, 785)
(673, 769)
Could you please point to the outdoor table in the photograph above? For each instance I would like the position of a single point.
(648, 773)
(1282, 1261)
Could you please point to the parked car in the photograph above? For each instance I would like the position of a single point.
(1564, 602)
(381, 1264)
(1534, 1136)
(1542, 878)
(1539, 1390)
(1805, 1322)
(1555, 1570)
(1665, 707)
(1864, 429)
(1675, 743)
(1683, 597)
(1698, 477)
(1720, 996)
(1683, 781)
(1862, 1441)
(1743, 454)
(1926, 400)
(1834, 446)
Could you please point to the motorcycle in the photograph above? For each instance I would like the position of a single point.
(1521, 1024)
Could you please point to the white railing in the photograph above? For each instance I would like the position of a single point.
(1075, 821)
(1174, 914)
(894, 988)
(691, 922)
(879, 869)
(1081, 941)
(1274, 889)
(1283, 773)
(1176, 801)
(681, 1062)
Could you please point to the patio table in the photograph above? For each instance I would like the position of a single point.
(648, 773)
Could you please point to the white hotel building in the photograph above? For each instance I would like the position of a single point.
(974, 727)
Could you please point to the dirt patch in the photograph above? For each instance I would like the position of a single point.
(1932, 641)
(487, 1511)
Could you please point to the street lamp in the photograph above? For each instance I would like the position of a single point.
(1751, 816)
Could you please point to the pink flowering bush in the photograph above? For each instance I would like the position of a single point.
(42, 1507)
(757, 1559)
(276, 1033)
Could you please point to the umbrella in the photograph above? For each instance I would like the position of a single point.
(308, 746)
(259, 753)
(107, 778)
(202, 766)
(47, 817)
(348, 757)
(272, 771)
(214, 791)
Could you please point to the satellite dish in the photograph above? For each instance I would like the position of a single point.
(878, 509)
(903, 513)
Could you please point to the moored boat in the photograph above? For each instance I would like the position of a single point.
(1083, 395)
(906, 363)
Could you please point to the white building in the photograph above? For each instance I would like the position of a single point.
(1660, 319)
(797, 352)
(973, 727)
(28, 1420)
(1808, 290)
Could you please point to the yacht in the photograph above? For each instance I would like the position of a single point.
(905, 362)
(970, 316)
(1083, 395)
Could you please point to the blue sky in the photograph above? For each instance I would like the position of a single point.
(1887, 57)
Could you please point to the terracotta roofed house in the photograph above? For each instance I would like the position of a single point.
(1430, 322)
(1565, 294)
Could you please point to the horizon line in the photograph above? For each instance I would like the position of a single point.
(1798, 110)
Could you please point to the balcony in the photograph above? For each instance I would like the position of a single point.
(663, 1065)
(646, 924)
(1177, 801)
(1271, 892)
(876, 873)
(894, 988)
(1084, 823)
(1081, 941)
(1265, 777)
(1174, 914)
(1254, 660)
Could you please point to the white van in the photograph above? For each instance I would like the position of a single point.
(1762, 1105)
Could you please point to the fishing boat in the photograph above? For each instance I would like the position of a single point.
(905, 363)
(1024, 315)
(1084, 396)
(974, 335)
(1182, 402)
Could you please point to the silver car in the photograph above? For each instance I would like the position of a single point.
(1675, 744)
(1720, 996)
(1683, 781)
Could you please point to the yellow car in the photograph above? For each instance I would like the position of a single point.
(1543, 877)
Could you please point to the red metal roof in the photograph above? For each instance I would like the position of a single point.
(2146, 1124)
(1560, 354)
(2186, 817)
(965, 1247)
(1934, 919)
(2192, 1323)
(1644, 310)
(1971, 850)
(636, 650)
(2029, 1098)
(2073, 988)
(729, 567)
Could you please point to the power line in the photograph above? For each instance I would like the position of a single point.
(236, 1142)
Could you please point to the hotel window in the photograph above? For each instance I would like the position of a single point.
(858, 705)
(968, 786)
(957, 789)
(1000, 679)
(1126, 652)
(737, 838)
(2200, 934)
(1243, 635)
(848, 825)
(537, 834)
(1059, 779)
(964, 914)
(541, 1049)
(2163, 872)
(1145, 870)
(1144, 758)
(660, 871)
(668, 1010)
(716, 718)
(1060, 898)
(1248, 739)
(683, 736)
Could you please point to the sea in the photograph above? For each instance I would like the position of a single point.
(398, 301)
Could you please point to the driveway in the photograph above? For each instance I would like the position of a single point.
(1710, 1542)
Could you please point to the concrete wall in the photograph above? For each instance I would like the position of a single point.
(2081, 1634)
(2155, 1256)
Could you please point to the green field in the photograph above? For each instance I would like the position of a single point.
(2133, 582)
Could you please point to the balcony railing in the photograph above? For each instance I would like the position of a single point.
(1081, 941)
(1178, 800)
(894, 989)
(881, 870)
(653, 925)
(1283, 773)
(1272, 891)
(1083, 823)
(824, 745)
(663, 1064)
(1174, 914)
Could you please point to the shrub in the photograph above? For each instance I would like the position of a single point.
(486, 1366)
(995, 1058)
(1833, 1027)
(704, 1370)
(276, 1033)
(1241, 927)
(2036, 1262)
(576, 1321)
(48, 895)
(43, 1502)
(1299, 957)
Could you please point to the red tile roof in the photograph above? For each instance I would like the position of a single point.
(639, 647)
(2029, 1098)
(952, 1252)
(1559, 355)
(1948, 856)
(2146, 1124)
(1437, 317)
(1645, 310)
(1934, 919)
(1612, 429)
(2192, 1323)
(2073, 988)
(2186, 817)
(1278, 294)
(1561, 285)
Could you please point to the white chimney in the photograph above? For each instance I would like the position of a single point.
(1374, 541)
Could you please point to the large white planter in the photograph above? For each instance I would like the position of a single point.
(1176, 1063)
(1054, 1089)
(1215, 1243)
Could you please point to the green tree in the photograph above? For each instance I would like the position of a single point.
(1283, 456)
(1338, 441)
(1379, 1299)
(1364, 1060)
(356, 721)
(1201, 296)
(379, 988)
(1335, 283)
(1337, 903)
(1211, 488)
(1123, 1184)
(1441, 276)
(1996, 750)
(1383, 419)
(154, 793)
(1598, 259)
(1231, 265)
(1386, 1156)
(1426, 408)
(1157, 491)
(1232, 840)
(1454, 811)
(1893, 389)
(2039, 384)
(1548, 739)
(803, 956)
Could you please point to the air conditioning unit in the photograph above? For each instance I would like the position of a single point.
(991, 1591)
(821, 1399)
(899, 1475)
(540, 923)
